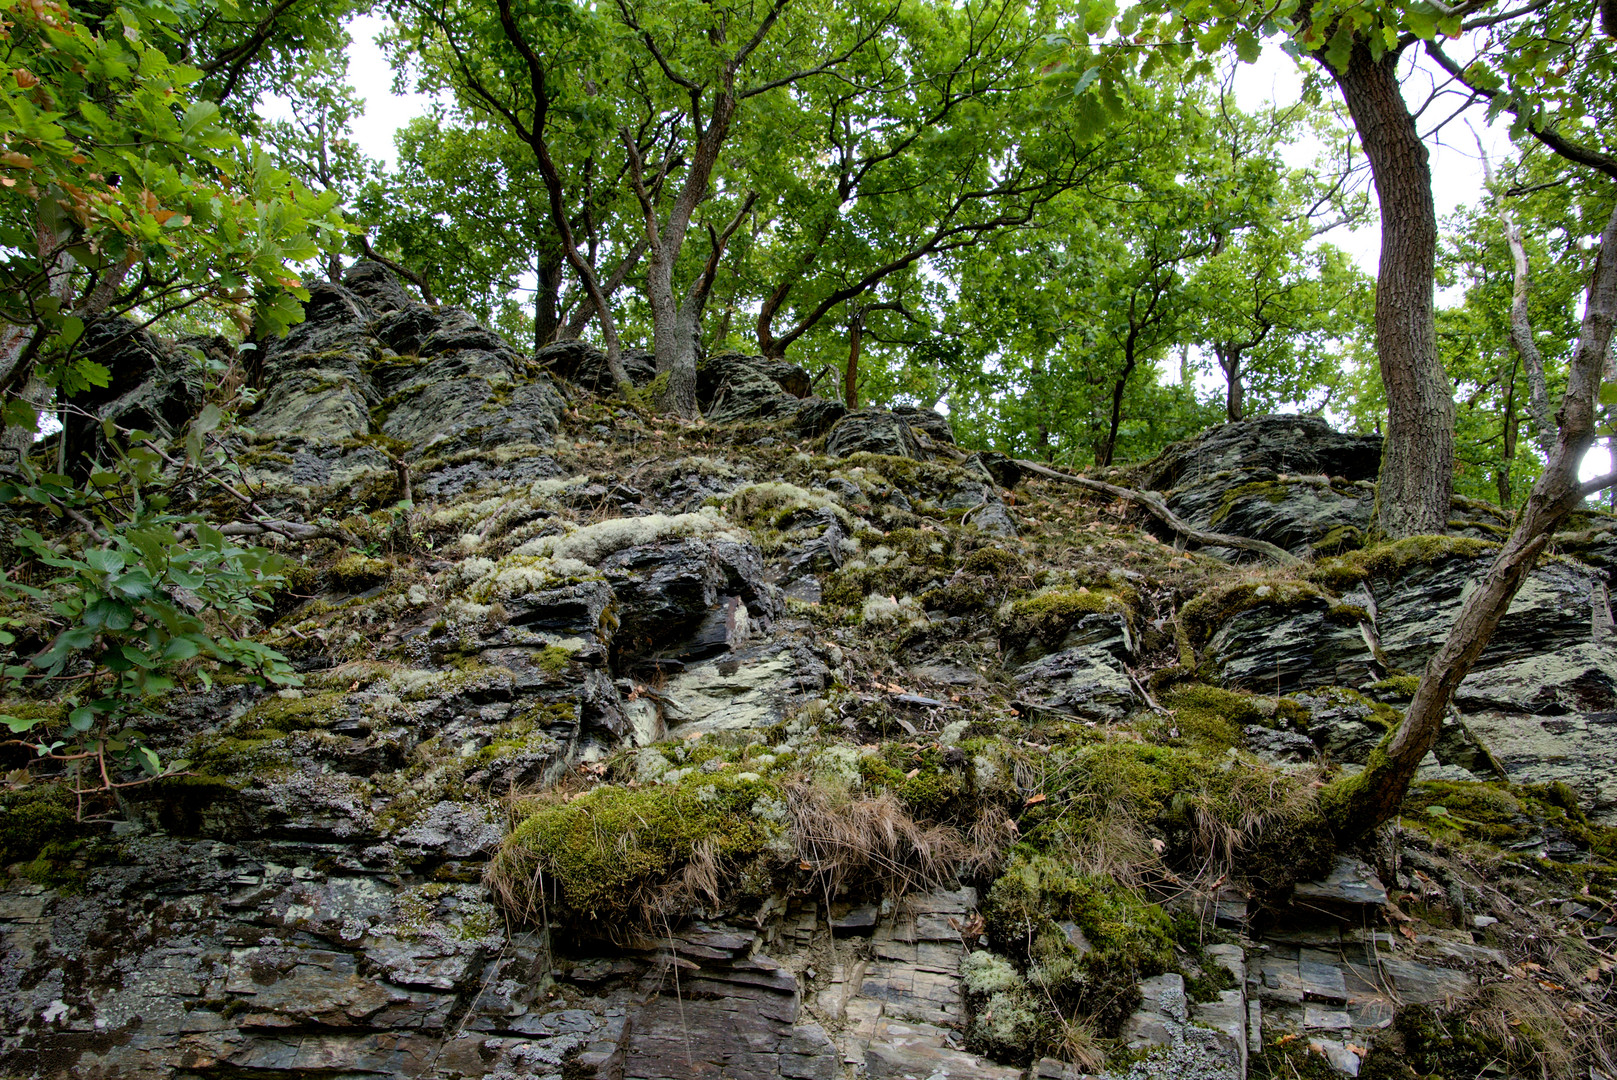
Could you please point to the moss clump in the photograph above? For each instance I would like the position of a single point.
(1031, 913)
(778, 506)
(34, 817)
(357, 573)
(614, 853)
(1214, 718)
(1105, 799)
(992, 562)
(553, 659)
(1203, 616)
(932, 793)
(1045, 618)
(961, 598)
(1338, 540)
(1273, 492)
(297, 711)
(1393, 560)
(1008, 1020)
(1474, 810)
(1291, 1059)
(1426, 1043)
(1401, 685)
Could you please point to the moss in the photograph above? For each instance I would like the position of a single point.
(357, 573)
(612, 852)
(553, 659)
(961, 598)
(1046, 617)
(930, 794)
(1213, 717)
(992, 562)
(34, 817)
(1427, 1043)
(1338, 540)
(296, 713)
(1392, 560)
(1289, 1058)
(1274, 492)
(1475, 810)
(1203, 616)
(1128, 937)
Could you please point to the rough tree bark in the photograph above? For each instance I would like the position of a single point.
(1360, 803)
(1417, 459)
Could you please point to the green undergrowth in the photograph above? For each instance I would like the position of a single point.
(1071, 945)
(1112, 803)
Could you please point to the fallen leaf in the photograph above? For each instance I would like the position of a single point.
(1034, 800)
(912, 774)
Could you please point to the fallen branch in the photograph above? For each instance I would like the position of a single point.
(291, 530)
(1159, 510)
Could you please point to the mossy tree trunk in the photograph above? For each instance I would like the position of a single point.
(1359, 803)
(1417, 461)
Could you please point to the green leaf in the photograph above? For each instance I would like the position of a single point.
(1247, 46)
(81, 719)
(106, 560)
(109, 614)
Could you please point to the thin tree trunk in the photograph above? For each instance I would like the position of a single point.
(546, 319)
(850, 378)
(1521, 329)
(1507, 437)
(1359, 803)
(1229, 360)
(1417, 458)
(585, 310)
(1109, 447)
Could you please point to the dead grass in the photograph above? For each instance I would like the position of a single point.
(842, 836)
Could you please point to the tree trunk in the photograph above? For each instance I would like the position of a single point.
(850, 379)
(1417, 458)
(1108, 449)
(1507, 450)
(1229, 360)
(546, 317)
(1359, 803)
(1521, 336)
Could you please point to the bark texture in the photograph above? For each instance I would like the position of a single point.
(1417, 464)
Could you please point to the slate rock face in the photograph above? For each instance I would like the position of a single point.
(155, 386)
(1552, 717)
(442, 382)
(1305, 644)
(583, 364)
(1087, 675)
(874, 431)
(1290, 480)
(1267, 444)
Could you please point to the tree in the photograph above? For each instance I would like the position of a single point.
(665, 87)
(1360, 803)
(935, 139)
(1527, 62)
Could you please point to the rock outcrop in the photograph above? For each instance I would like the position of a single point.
(792, 745)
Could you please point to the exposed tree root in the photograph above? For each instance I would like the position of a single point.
(1158, 509)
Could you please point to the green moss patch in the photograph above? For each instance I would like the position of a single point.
(613, 852)
(1044, 619)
